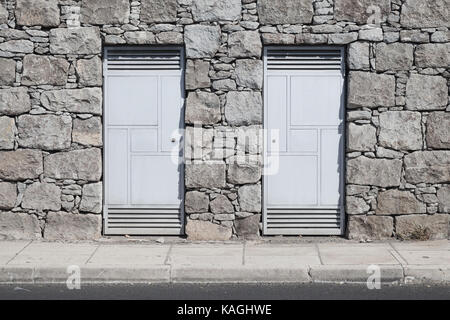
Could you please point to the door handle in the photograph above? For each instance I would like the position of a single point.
(173, 140)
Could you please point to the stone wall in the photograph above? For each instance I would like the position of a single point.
(398, 114)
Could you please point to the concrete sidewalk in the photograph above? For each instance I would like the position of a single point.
(399, 262)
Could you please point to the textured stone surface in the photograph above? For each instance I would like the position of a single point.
(42, 196)
(197, 74)
(139, 37)
(202, 108)
(84, 40)
(250, 198)
(3, 13)
(243, 108)
(7, 72)
(7, 133)
(394, 56)
(438, 130)
(89, 71)
(392, 202)
(47, 132)
(19, 225)
(87, 100)
(20, 164)
(371, 34)
(443, 195)
(91, 200)
(221, 204)
(8, 195)
(245, 44)
(196, 202)
(377, 172)
(14, 101)
(158, 11)
(17, 46)
(358, 56)
(216, 10)
(361, 137)
(44, 70)
(204, 230)
(285, 11)
(87, 132)
(356, 205)
(248, 226)
(249, 73)
(400, 130)
(205, 175)
(422, 227)
(105, 11)
(426, 92)
(361, 11)
(425, 14)
(201, 41)
(68, 226)
(370, 227)
(245, 172)
(83, 164)
(371, 90)
(37, 12)
(427, 166)
(436, 55)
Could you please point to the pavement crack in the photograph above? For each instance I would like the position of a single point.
(318, 253)
(21, 250)
(243, 252)
(166, 260)
(92, 255)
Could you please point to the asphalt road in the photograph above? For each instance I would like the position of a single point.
(222, 291)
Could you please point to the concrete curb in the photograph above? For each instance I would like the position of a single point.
(355, 273)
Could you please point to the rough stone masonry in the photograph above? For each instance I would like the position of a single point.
(398, 113)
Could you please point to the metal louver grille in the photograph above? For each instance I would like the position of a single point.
(144, 221)
(304, 221)
(143, 59)
(304, 59)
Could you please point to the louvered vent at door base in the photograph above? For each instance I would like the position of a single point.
(121, 59)
(304, 59)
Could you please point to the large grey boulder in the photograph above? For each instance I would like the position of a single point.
(361, 137)
(69, 226)
(249, 73)
(47, 132)
(87, 132)
(87, 100)
(426, 92)
(156, 11)
(205, 230)
(39, 70)
(85, 40)
(8, 195)
(105, 11)
(7, 133)
(422, 227)
(358, 56)
(216, 10)
(377, 172)
(438, 130)
(243, 44)
(42, 196)
(196, 75)
(201, 41)
(250, 198)
(362, 11)
(436, 55)
(427, 167)
(243, 108)
(443, 195)
(394, 56)
(393, 201)
(285, 11)
(248, 226)
(202, 108)
(196, 202)
(20, 164)
(83, 164)
(425, 14)
(371, 90)
(89, 71)
(19, 225)
(37, 13)
(400, 130)
(370, 227)
(91, 200)
(14, 101)
(205, 175)
(221, 205)
(7, 72)
(356, 205)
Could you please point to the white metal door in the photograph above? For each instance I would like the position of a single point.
(304, 115)
(143, 114)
